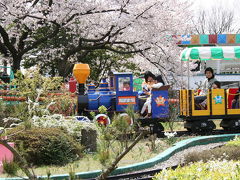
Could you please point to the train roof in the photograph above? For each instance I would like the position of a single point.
(211, 53)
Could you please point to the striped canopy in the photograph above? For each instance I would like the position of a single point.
(211, 53)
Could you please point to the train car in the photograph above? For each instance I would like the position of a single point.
(116, 94)
(219, 101)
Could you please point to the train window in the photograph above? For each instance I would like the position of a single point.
(124, 84)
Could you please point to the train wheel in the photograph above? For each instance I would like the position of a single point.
(102, 119)
(127, 118)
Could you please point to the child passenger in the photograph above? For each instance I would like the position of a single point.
(126, 86)
(147, 105)
(215, 85)
(149, 81)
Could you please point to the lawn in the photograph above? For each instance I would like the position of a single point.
(141, 152)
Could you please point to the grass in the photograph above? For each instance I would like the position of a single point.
(177, 126)
(89, 162)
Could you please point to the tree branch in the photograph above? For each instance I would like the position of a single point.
(6, 41)
(114, 164)
(22, 38)
(100, 39)
(3, 49)
(42, 40)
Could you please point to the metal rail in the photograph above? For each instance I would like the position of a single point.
(140, 175)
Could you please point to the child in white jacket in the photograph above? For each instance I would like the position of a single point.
(147, 105)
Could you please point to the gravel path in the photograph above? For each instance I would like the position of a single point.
(178, 158)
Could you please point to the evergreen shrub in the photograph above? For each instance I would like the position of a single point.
(47, 146)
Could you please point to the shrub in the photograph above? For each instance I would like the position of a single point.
(5, 111)
(72, 126)
(64, 105)
(47, 146)
(234, 142)
(224, 152)
(212, 170)
(32, 82)
(10, 168)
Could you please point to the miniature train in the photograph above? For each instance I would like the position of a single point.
(118, 92)
(116, 97)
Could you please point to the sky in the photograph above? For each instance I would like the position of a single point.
(232, 5)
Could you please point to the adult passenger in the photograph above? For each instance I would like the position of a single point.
(158, 82)
(149, 78)
(207, 84)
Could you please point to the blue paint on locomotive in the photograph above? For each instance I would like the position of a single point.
(102, 97)
(160, 104)
(93, 101)
(124, 91)
(121, 94)
(91, 88)
(117, 97)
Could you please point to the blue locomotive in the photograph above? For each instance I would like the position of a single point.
(116, 94)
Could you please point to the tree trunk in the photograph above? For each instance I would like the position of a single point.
(16, 63)
(5, 64)
(64, 68)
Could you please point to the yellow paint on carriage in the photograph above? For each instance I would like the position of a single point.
(233, 111)
(218, 102)
(183, 102)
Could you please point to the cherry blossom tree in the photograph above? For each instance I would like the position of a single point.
(139, 27)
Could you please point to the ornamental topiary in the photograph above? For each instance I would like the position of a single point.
(47, 146)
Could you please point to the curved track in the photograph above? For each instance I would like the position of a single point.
(143, 175)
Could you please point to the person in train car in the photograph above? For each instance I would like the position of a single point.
(149, 78)
(235, 101)
(207, 84)
(126, 86)
(158, 82)
(215, 85)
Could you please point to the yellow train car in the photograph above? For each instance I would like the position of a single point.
(218, 103)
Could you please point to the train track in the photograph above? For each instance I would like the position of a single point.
(149, 174)
(140, 175)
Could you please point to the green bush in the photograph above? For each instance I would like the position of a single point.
(213, 170)
(234, 142)
(64, 104)
(5, 111)
(47, 146)
(224, 152)
(10, 168)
